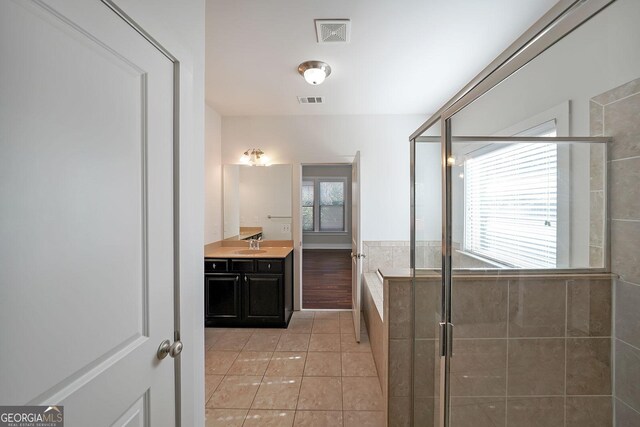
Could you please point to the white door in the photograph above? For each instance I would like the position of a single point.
(86, 215)
(356, 245)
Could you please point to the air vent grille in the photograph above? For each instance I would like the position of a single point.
(310, 99)
(333, 30)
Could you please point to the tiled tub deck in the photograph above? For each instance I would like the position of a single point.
(525, 348)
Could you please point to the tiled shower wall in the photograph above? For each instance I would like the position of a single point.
(528, 351)
(616, 113)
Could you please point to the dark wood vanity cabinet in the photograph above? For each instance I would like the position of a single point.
(248, 292)
(222, 298)
(264, 299)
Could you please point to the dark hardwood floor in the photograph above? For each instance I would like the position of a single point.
(326, 278)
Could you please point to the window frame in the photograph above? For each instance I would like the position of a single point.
(316, 204)
(305, 183)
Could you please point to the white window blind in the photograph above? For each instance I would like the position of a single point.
(511, 205)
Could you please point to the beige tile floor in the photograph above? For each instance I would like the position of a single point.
(311, 374)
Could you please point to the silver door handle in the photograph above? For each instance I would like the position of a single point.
(166, 348)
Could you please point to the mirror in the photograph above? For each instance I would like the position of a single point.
(257, 202)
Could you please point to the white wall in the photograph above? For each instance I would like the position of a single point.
(213, 175)
(601, 54)
(179, 27)
(428, 192)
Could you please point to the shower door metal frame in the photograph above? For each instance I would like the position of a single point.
(559, 21)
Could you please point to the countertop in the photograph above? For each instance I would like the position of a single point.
(229, 249)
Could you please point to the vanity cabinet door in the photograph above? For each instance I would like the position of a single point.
(222, 293)
(263, 298)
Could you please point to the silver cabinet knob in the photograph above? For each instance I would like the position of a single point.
(213, 265)
(166, 348)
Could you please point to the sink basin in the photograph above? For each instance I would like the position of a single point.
(251, 251)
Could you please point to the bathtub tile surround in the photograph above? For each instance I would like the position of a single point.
(372, 310)
(385, 254)
(396, 255)
(509, 363)
(313, 373)
(615, 113)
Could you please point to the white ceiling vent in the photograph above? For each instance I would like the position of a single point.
(333, 30)
(311, 100)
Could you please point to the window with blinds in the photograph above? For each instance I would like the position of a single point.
(511, 203)
(323, 204)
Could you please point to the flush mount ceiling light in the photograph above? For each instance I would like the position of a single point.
(254, 157)
(314, 72)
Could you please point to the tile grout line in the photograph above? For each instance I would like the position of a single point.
(261, 379)
(617, 100)
(306, 358)
(566, 332)
(627, 405)
(625, 342)
(623, 159)
(506, 374)
(341, 382)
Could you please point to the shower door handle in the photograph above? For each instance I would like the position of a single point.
(446, 339)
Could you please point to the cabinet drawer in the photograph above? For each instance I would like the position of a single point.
(270, 266)
(242, 265)
(216, 265)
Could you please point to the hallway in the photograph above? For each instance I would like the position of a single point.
(326, 279)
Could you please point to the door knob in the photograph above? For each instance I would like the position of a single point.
(166, 348)
(175, 349)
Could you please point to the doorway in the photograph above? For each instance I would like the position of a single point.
(326, 242)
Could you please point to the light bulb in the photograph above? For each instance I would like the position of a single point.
(244, 158)
(314, 76)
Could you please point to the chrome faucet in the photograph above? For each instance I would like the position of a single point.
(254, 244)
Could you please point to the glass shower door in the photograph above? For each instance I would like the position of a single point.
(424, 387)
(518, 286)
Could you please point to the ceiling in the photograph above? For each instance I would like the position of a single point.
(405, 56)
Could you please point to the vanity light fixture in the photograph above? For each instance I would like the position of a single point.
(254, 157)
(314, 72)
